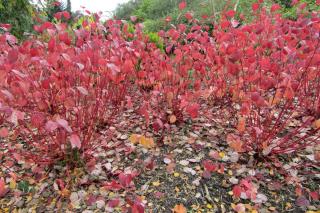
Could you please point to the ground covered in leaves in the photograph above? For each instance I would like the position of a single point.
(189, 169)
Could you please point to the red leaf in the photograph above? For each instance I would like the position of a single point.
(255, 6)
(52, 44)
(66, 15)
(4, 132)
(210, 166)
(13, 56)
(46, 25)
(125, 179)
(275, 7)
(37, 120)
(157, 125)
(58, 15)
(114, 203)
(230, 13)
(314, 195)
(237, 191)
(188, 16)
(137, 207)
(113, 186)
(75, 141)
(182, 5)
(6, 27)
(193, 110)
(255, 96)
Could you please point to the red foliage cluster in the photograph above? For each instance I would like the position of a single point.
(58, 87)
(56, 91)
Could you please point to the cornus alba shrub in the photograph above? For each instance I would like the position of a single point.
(271, 70)
(58, 87)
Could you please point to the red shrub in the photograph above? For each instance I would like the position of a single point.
(55, 93)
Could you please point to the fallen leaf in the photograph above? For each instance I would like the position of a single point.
(235, 143)
(222, 154)
(146, 142)
(13, 184)
(239, 207)
(302, 201)
(176, 174)
(156, 183)
(134, 138)
(3, 189)
(179, 209)
(214, 154)
(166, 160)
(184, 162)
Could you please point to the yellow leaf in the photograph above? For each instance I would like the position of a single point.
(176, 174)
(134, 138)
(222, 154)
(172, 119)
(156, 183)
(13, 184)
(209, 206)
(179, 209)
(146, 142)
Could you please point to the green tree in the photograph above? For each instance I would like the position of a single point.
(18, 13)
(125, 10)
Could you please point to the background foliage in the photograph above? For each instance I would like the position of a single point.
(18, 13)
(154, 12)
